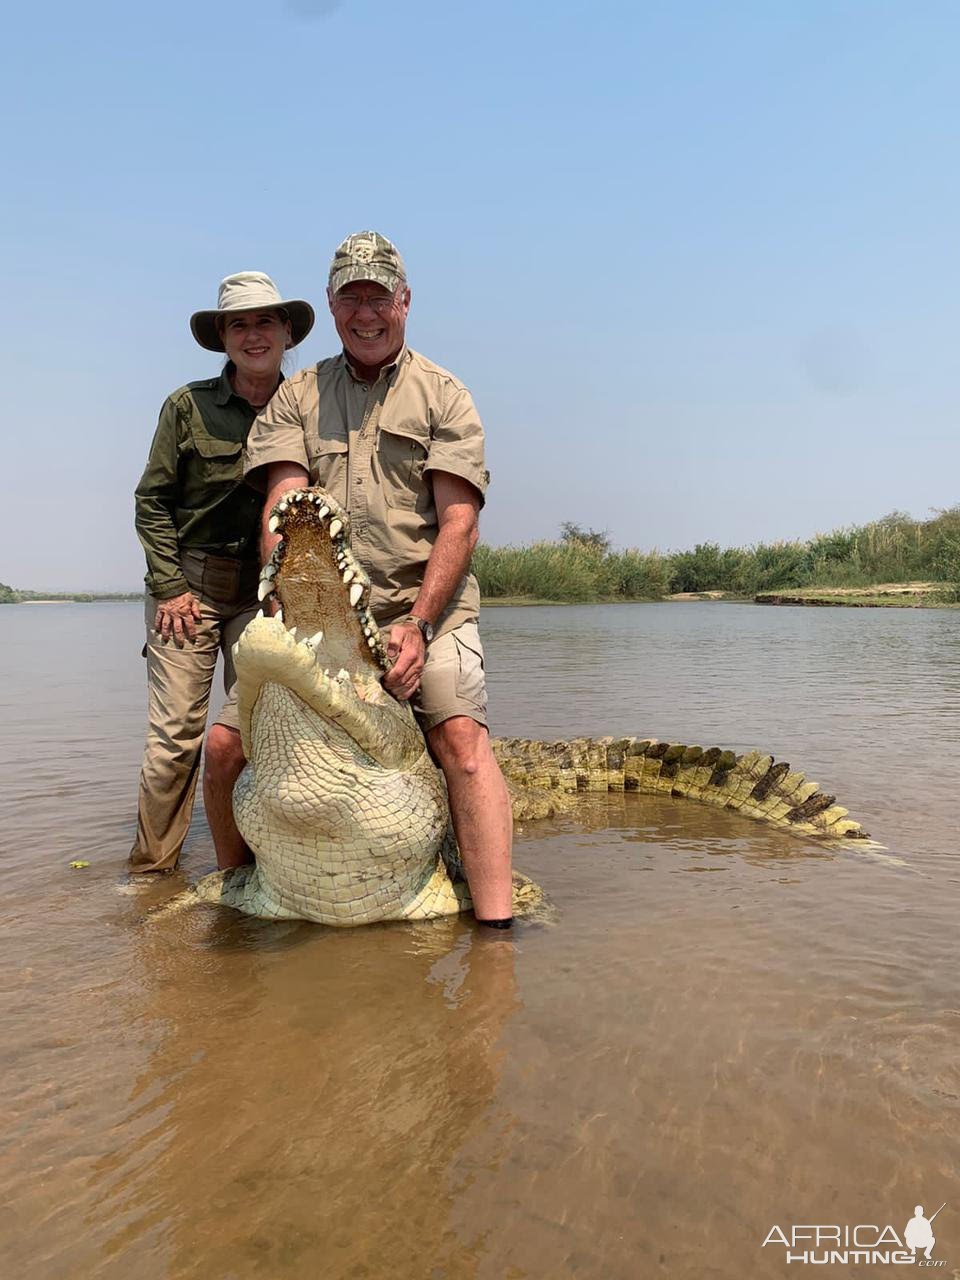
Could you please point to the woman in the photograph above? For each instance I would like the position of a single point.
(199, 523)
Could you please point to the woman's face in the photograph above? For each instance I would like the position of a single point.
(255, 341)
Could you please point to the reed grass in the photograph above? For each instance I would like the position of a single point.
(582, 566)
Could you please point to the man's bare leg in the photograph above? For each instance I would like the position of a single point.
(481, 814)
(223, 762)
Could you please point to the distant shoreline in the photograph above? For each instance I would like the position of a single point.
(836, 597)
(80, 597)
(912, 595)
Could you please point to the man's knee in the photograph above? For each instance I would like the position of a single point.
(223, 754)
(459, 743)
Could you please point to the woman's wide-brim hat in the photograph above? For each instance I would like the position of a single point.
(250, 291)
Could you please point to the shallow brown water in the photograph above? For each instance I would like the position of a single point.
(727, 1028)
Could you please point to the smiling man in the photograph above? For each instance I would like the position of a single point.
(398, 442)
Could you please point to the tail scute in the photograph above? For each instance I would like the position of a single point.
(751, 783)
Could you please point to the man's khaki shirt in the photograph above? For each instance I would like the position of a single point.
(191, 493)
(372, 446)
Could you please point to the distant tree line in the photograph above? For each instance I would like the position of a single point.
(10, 595)
(583, 565)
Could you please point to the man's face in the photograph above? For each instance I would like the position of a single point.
(370, 320)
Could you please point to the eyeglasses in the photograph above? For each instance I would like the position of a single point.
(354, 301)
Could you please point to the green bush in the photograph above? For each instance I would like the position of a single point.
(571, 570)
(546, 570)
(705, 568)
(771, 567)
(636, 575)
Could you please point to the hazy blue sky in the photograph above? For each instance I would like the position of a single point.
(696, 260)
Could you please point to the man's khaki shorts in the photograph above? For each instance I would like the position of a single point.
(452, 683)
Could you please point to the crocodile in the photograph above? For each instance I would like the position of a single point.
(340, 801)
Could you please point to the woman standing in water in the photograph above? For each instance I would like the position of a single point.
(199, 525)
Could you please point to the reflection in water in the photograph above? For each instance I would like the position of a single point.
(317, 1107)
(727, 1027)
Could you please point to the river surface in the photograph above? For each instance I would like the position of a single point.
(727, 1028)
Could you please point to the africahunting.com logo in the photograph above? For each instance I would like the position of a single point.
(826, 1244)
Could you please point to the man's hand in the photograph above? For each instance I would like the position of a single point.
(405, 646)
(176, 617)
(457, 506)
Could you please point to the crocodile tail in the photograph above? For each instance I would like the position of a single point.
(752, 784)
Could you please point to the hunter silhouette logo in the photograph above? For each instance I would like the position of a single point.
(918, 1232)
(865, 1243)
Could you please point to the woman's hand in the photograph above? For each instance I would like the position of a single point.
(177, 617)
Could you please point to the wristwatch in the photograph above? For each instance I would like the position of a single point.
(423, 626)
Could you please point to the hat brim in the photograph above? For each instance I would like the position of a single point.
(203, 324)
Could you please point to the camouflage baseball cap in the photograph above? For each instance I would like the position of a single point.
(366, 255)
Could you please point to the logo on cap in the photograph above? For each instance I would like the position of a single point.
(362, 250)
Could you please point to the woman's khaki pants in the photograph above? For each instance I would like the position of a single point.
(179, 683)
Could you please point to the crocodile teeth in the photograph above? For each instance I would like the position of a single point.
(372, 641)
(259, 615)
(323, 510)
(314, 640)
(279, 615)
(349, 575)
(265, 589)
(282, 506)
(343, 674)
(293, 632)
(297, 497)
(356, 591)
(269, 570)
(273, 524)
(336, 526)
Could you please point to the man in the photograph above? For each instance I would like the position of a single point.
(398, 442)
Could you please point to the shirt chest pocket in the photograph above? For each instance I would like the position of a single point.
(401, 455)
(328, 466)
(216, 461)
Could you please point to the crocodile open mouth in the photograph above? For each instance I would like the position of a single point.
(320, 655)
(322, 590)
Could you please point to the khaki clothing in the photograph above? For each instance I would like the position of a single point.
(199, 525)
(179, 682)
(452, 682)
(191, 492)
(373, 446)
